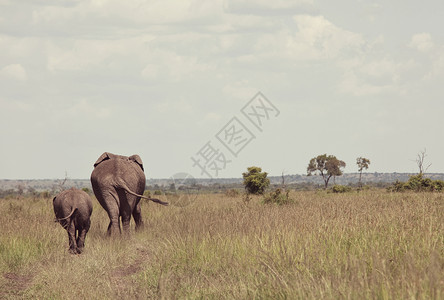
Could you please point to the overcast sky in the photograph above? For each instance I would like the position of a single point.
(174, 81)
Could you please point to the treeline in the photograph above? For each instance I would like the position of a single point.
(30, 192)
(222, 188)
(415, 183)
(25, 193)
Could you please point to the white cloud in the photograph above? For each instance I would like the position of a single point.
(366, 76)
(167, 66)
(84, 107)
(309, 38)
(14, 71)
(84, 54)
(372, 11)
(268, 7)
(351, 83)
(152, 58)
(211, 117)
(150, 72)
(240, 90)
(173, 67)
(175, 106)
(14, 106)
(432, 56)
(369, 73)
(422, 42)
(124, 15)
(318, 38)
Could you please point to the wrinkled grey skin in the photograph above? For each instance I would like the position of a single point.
(73, 210)
(118, 183)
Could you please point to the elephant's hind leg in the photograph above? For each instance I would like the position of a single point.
(114, 226)
(71, 229)
(82, 235)
(137, 215)
(112, 208)
(125, 210)
(125, 213)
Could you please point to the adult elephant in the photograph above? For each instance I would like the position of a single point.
(118, 183)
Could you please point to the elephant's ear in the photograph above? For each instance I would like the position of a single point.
(136, 158)
(102, 157)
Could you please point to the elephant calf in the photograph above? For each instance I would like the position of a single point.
(73, 210)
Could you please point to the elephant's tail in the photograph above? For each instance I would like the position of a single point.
(67, 217)
(156, 200)
(144, 197)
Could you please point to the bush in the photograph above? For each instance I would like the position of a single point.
(157, 192)
(438, 185)
(397, 186)
(341, 189)
(232, 193)
(417, 183)
(278, 196)
(255, 181)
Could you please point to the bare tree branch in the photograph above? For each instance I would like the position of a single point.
(420, 161)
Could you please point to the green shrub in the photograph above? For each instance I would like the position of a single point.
(438, 185)
(417, 183)
(157, 192)
(278, 196)
(255, 181)
(397, 186)
(341, 189)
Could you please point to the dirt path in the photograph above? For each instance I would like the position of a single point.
(125, 286)
(13, 284)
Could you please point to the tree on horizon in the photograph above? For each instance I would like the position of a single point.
(327, 166)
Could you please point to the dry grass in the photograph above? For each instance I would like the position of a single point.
(348, 246)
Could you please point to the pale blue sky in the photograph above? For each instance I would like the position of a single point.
(162, 78)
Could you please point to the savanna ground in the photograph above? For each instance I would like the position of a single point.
(367, 245)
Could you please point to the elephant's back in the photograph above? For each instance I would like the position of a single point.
(84, 202)
(66, 201)
(133, 176)
(113, 171)
(104, 173)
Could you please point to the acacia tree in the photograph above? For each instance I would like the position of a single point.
(327, 166)
(255, 181)
(362, 163)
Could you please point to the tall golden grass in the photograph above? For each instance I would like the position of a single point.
(368, 245)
